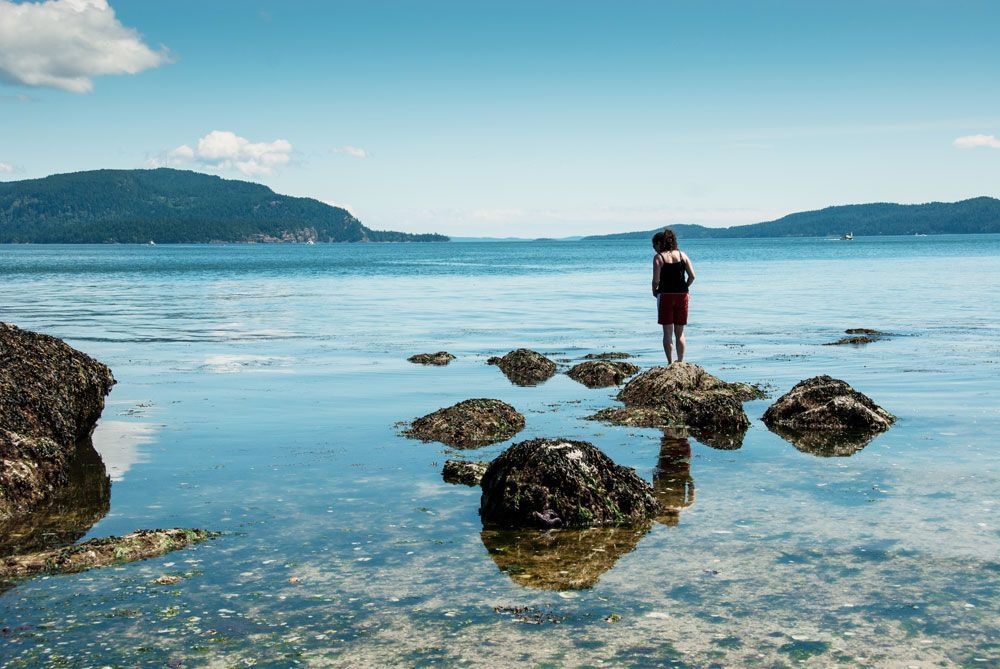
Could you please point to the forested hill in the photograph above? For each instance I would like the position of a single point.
(171, 206)
(978, 215)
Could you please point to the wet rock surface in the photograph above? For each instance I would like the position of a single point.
(51, 395)
(562, 483)
(469, 424)
(826, 416)
(602, 373)
(610, 355)
(465, 472)
(139, 545)
(685, 395)
(860, 336)
(567, 559)
(524, 367)
(440, 358)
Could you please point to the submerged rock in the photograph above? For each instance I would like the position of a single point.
(525, 367)
(138, 545)
(51, 396)
(558, 482)
(439, 358)
(602, 373)
(685, 395)
(573, 559)
(469, 424)
(827, 416)
(611, 355)
(860, 336)
(464, 471)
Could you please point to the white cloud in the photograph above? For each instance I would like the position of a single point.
(355, 151)
(974, 141)
(6, 168)
(225, 151)
(64, 43)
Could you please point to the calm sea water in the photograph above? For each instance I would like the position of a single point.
(259, 394)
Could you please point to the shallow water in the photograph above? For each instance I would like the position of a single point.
(259, 391)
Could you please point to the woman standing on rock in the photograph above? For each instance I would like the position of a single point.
(673, 274)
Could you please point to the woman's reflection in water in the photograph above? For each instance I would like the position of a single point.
(673, 486)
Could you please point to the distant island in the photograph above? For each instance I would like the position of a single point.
(978, 215)
(173, 207)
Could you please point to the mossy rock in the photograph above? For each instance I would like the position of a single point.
(564, 483)
(602, 373)
(440, 358)
(524, 367)
(464, 472)
(469, 424)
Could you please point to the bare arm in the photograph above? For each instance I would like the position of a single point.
(657, 264)
(690, 270)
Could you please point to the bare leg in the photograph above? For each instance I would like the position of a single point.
(681, 342)
(668, 336)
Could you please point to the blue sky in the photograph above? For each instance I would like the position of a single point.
(522, 118)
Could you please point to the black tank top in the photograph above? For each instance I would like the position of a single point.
(672, 278)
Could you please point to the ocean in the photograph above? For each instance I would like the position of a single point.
(261, 393)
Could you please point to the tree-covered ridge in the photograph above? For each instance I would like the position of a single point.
(170, 206)
(978, 215)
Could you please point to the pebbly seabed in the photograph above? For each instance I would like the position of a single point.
(258, 392)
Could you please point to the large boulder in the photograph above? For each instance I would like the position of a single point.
(827, 416)
(525, 367)
(602, 373)
(440, 358)
(562, 483)
(685, 395)
(561, 559)
(469, 424)
(51, 396)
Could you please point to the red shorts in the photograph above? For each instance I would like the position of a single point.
(672, 309)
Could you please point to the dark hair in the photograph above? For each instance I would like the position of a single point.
(669, 240)
(658, 242)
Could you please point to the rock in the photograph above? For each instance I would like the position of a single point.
(860, 336)
(612, 355)
(439, 358)
(525, 367)
(469, 424)
(828, 416)
(464, 471)
(572, 559)
(685, 395)
(602, 373)
(139, 545)
(51, 396)
(549, 482)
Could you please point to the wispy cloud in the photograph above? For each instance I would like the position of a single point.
(976, 141)
(225, 151)
(6, 168)
(353, 151)
(20, 97)
(65, 43)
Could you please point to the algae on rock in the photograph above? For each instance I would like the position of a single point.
(602, 373)
(524, 367)
(469, 424)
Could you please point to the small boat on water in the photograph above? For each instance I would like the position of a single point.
(847, 237)
(151, 243)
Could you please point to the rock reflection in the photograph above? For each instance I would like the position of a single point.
(825, 444)
(560, 559)
(673, 486)
(84, 500)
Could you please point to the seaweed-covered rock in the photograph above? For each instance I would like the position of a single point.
(685, 395)
(860, 336)
(439, 358)
(139, 545)
(602, 373)
(828, 416)
(610, 355)
(525, 367)
(562, 483)
(51, 395)
(469, 424)
(465, 472)
(571, 559)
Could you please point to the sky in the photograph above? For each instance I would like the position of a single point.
(543, 118)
